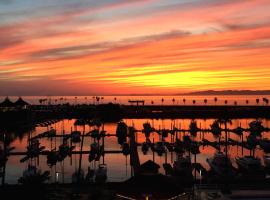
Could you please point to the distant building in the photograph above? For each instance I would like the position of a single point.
(21, 103)
(7, 104)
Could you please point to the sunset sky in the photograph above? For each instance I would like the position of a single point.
(86, 47)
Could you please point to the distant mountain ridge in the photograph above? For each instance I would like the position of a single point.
(230, 92)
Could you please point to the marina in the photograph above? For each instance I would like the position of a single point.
(190, 152)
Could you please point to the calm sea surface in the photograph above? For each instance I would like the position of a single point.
(156, 100)
(117, 164)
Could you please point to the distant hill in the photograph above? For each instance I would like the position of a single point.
(230, 92)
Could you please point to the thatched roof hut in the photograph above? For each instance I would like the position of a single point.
(20, 102)
(7, 103)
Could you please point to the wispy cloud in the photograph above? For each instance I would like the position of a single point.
(146, 45)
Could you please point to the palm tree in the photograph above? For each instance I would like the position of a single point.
(152, 102)
(257, 101)
(205, 101)
(76, 100)
(266, 101)
(97, 99)
(184, 100)
(247, 102)
(115, 99)
(226, 102)
(215, 99)
(194, 101)
(61, 100)
(162, 101)
(173, 100)
(235, 103)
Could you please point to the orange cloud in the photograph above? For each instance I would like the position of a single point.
(168, 51)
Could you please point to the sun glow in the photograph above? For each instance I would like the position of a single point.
(115, 48)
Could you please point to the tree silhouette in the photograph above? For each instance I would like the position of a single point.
(226, 102)
(173, 100)
(76, 100)
(215, 99)
(266, 101)
(205, 101)
(162, 101)
(97, 99)
(194, 101)
(184, 100)
(257, 101)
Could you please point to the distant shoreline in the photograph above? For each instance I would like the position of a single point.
(230, 92)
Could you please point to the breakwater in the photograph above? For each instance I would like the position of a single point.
(115, 112)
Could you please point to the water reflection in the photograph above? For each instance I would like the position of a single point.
(118, 165)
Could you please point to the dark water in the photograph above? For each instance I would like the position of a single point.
(117, 164)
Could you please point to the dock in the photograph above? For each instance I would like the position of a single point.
(134, 156)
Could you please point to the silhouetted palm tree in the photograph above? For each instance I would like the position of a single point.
(266, 101)
(226, 102)
(215, 99)
(115, 99)
(194, 101)
(235, 103)
(173, 101)
(162, 101)
(97, 99)
(76, 100)
(61, 100)
(152, 102)
(257, 101)
(247, 102)
(184, 100)
(205, 101)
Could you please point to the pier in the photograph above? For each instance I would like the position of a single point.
(134, 156)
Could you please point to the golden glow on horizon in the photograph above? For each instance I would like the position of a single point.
(116, 49)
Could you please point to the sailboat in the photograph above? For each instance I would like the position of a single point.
(101, 173)
(221, 165)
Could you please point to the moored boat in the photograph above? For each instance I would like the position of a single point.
(250, 168)
(182, 166)
(101, 174)
(221, 165)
